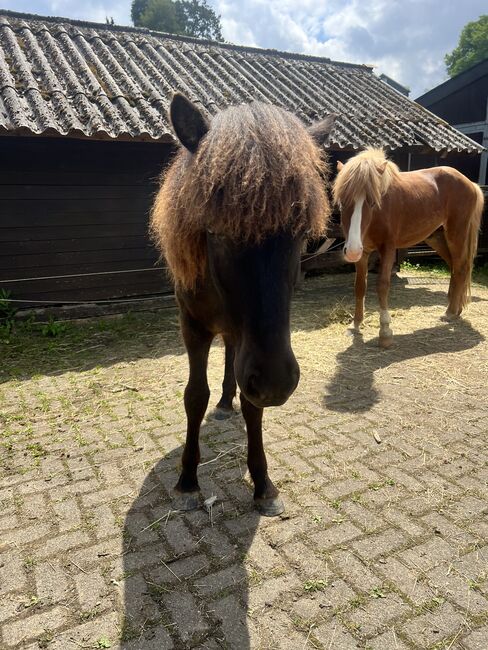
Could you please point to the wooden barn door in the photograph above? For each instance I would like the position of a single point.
(74, 220)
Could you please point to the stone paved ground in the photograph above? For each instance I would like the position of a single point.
(381, 458)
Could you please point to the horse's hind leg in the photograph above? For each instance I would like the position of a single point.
(360, 285)
(460, 273)
(387, 257)
(224, 407)
(197, 341)
(266, 496)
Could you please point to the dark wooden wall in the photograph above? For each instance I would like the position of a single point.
(74, 219)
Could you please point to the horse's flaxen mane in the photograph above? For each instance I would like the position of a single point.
(367, 175)
(256, 171)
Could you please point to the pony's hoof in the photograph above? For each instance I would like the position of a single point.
(352, 330)
(270, 507)
(186, 501)
(385, 342)
(448, 317)
(220, 413)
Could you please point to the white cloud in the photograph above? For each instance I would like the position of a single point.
(406, 39)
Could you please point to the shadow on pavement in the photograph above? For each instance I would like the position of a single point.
(351, 389)
(186, 585)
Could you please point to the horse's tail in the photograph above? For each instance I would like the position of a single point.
(472, 240)
(367, 175)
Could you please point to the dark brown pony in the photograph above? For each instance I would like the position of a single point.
(384, 209)
(231, 217)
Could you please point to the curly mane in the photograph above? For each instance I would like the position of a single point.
(255, 172)
(369, 174)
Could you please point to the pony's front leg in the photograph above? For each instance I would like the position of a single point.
(197, 341)
(383, 287)
(266, 495)
(360, 285)
(224, 407)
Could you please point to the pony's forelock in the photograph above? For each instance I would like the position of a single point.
(368, 175)
(256, 171)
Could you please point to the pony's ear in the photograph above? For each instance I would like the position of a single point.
(320, 131)
(381, 166)
(189, 123)
(340, 165)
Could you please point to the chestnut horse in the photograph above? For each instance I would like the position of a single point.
(384, 209)
(231, 218)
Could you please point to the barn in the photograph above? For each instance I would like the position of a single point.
(463, 102)
(84, 136)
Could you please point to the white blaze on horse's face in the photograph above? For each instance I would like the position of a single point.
(353, 248)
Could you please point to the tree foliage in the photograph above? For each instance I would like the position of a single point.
(188, 17)
(472, 47)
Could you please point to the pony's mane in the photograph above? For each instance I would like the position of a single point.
(369, 174)
(255, 172)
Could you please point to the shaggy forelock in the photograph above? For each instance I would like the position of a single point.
(255, 172)
(367, 175)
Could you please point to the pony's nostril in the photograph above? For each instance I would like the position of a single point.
(252, 385)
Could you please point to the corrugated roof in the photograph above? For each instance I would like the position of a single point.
(64, 77)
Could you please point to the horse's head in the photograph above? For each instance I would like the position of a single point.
(253, 178)
(358, 190)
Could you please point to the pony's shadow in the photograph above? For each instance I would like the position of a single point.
(185, 582)
(351, 389)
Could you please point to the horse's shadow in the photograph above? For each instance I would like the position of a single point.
(351, 389)
(185, 581)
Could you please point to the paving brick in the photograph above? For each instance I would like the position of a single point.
(12, 573)
(89, 634)
(67, 514)
(233, 619)
(376, 616)
(353, 570)
(429, 554)
(336, 535)
(380, 544)
(187, 613)
(411, 582)
(27, 534)
(17, 632)
(432, 627)
(267, 592)
(51, 581)
(334, 635)
(60, 543)
(459, 589)
(476, 640)
(91, 589)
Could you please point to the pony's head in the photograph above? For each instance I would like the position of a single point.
(358, 190)
(234, 209)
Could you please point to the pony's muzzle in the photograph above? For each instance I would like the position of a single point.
(271, 386)
(352, 255)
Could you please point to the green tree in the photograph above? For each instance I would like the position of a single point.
(198, 19)
(188, 17)
(137, 9)
(162, 16)
(472, 47)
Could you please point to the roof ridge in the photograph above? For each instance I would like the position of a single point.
(180, 37)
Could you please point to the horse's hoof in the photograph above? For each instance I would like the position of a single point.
(220, 413)
(385, 342)
(186, 501)
(448, 317)
(270, 507)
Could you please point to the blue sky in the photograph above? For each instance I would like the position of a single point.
(406, 39)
